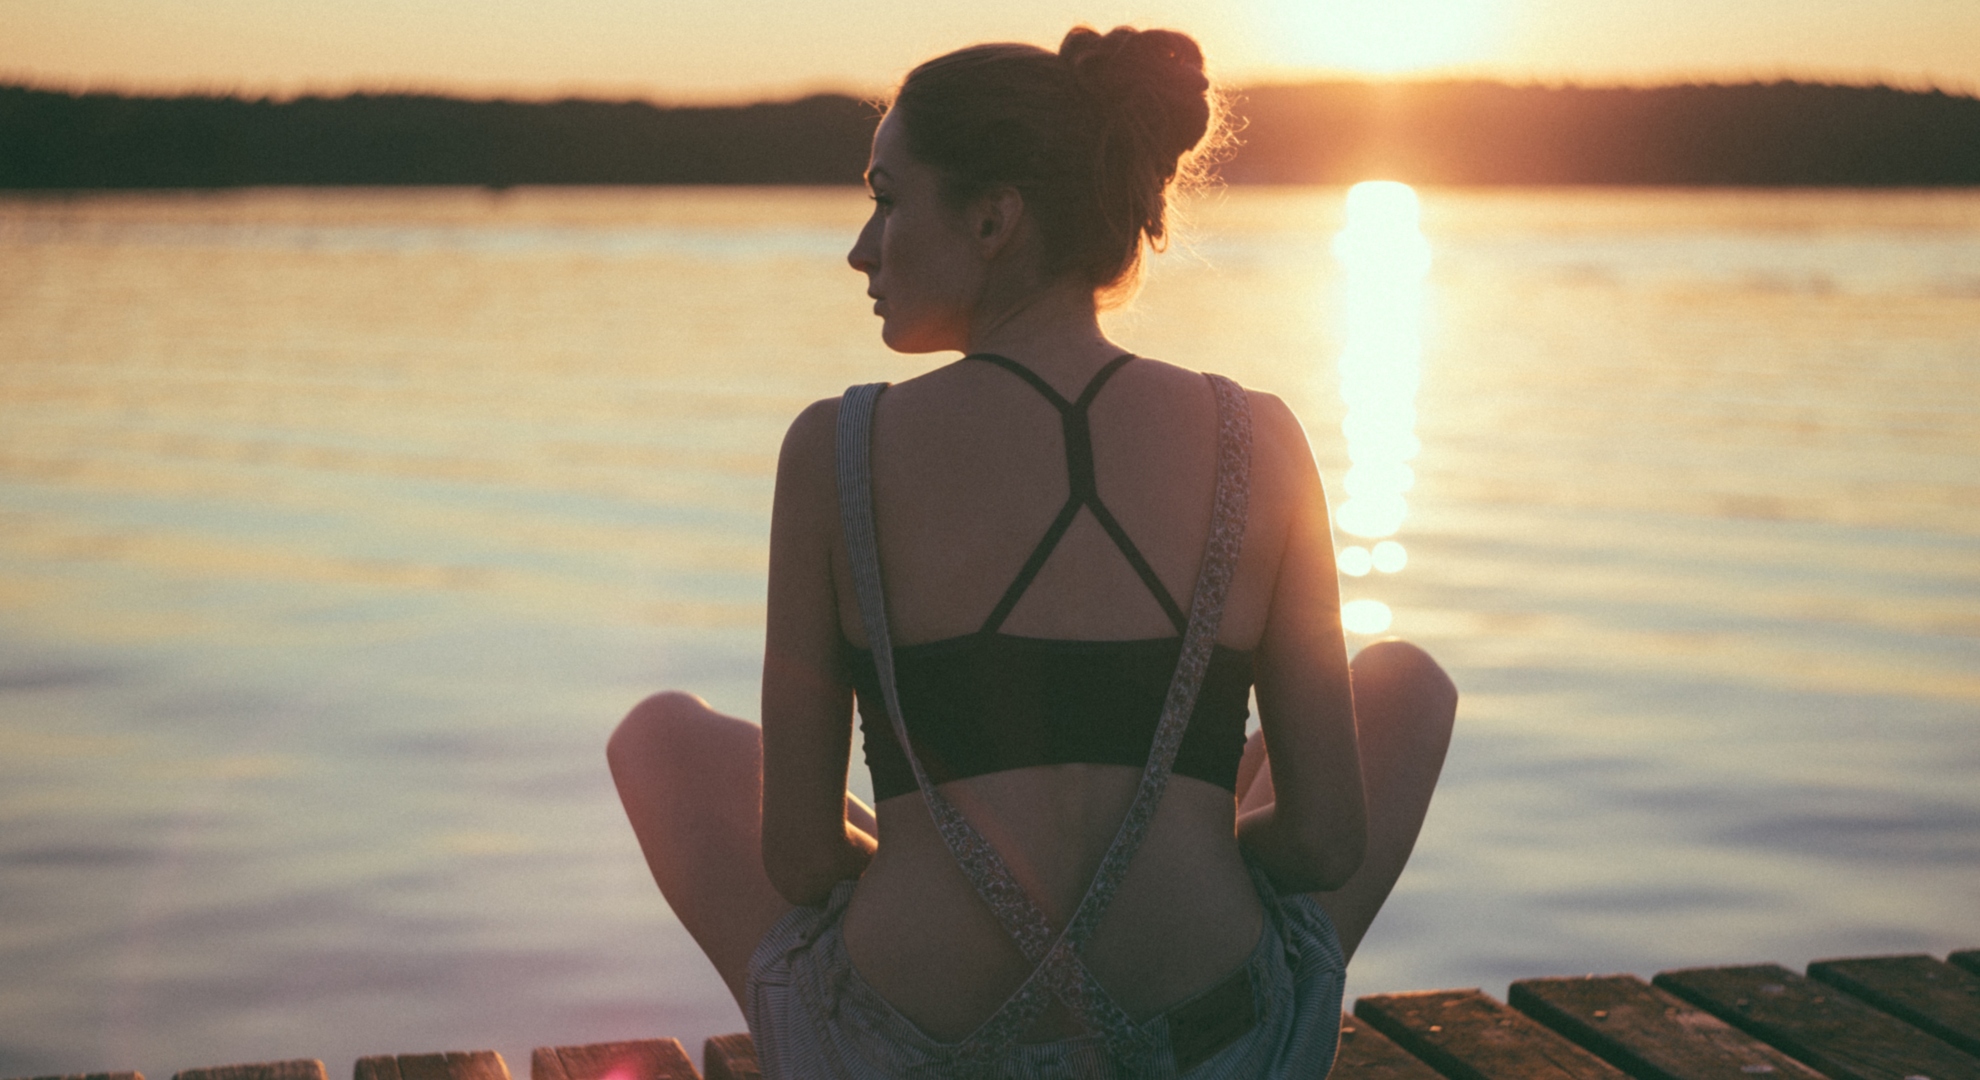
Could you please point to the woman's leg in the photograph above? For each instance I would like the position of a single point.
(1404, 706)
(691, 780)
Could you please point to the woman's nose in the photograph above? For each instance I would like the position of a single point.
(865, 254)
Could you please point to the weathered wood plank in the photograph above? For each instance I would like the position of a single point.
(1367, 1054)
(423, 1067)
(90, 1076)
(376, 1067)
(640, 1059)
(295, 1069)
(1468, 1036)
(453, 1065)
(1824, 1027)
(1928, 994)
(1648, 1033)
(730, 1057)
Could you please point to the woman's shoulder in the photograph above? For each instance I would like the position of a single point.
(806, 463)
(813, 430)
(1276, 432)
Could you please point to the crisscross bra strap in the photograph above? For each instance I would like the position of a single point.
(1059, 972)
(1084, 491)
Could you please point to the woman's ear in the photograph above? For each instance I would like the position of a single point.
(996, 220)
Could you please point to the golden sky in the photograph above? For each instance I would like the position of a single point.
(702, 50)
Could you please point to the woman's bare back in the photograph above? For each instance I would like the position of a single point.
(970, 468)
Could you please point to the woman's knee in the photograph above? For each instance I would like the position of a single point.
(1397, 671)
(679, 763)
(651, 725)
(677, 736)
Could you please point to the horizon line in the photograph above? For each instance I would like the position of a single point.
(12, 81)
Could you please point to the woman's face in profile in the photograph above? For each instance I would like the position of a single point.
(923, 268)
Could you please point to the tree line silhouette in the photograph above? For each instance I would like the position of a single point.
(1782, 133)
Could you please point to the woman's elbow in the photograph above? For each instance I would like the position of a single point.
(1338, 864)
(796, 882)
(1305, 857)
(804, 870)
(801, 889)
(1330, 857)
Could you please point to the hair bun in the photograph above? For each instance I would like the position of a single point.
(1094, 137)
(1154, 79)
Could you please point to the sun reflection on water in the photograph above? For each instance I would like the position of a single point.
(1385, 261)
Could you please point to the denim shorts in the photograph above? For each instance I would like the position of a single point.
(1279, 1015)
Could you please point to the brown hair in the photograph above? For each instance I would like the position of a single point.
(1093, 137)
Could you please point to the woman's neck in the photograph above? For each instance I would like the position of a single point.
(1054, 331)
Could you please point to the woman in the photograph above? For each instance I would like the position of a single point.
(1060, 571)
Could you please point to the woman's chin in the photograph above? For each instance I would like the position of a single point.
(903, 341)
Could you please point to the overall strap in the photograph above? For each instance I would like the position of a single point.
(1059, 972)
(1229, 511)
(1083, 490)
(1021, 917)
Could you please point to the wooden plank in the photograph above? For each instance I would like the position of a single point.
(1468, 1036)
(1823, 1026)
(730, 1057)
(90, 1076)
(1648, 1033)
(1926, 993)
(1367, 1054)
(640, 1059)
(473, 1065)
(453, 1065)
(1966, 958)
(424, 1067)
(294, 1069)
(376, 1067)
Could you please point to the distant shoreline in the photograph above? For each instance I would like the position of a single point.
(1438, 133)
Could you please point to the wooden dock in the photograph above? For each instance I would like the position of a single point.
(1872, 1018)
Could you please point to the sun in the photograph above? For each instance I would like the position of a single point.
(1377, 37)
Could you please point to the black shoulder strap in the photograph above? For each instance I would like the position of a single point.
(1084, 492)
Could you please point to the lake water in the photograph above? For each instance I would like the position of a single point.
(337, 529)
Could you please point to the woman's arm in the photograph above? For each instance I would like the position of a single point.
(1313, 834)
(809, 844)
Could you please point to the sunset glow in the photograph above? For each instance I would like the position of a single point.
(1385, 261)
(702, 50)
(1366, 616)
(1382, 39)
(1385, 258)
